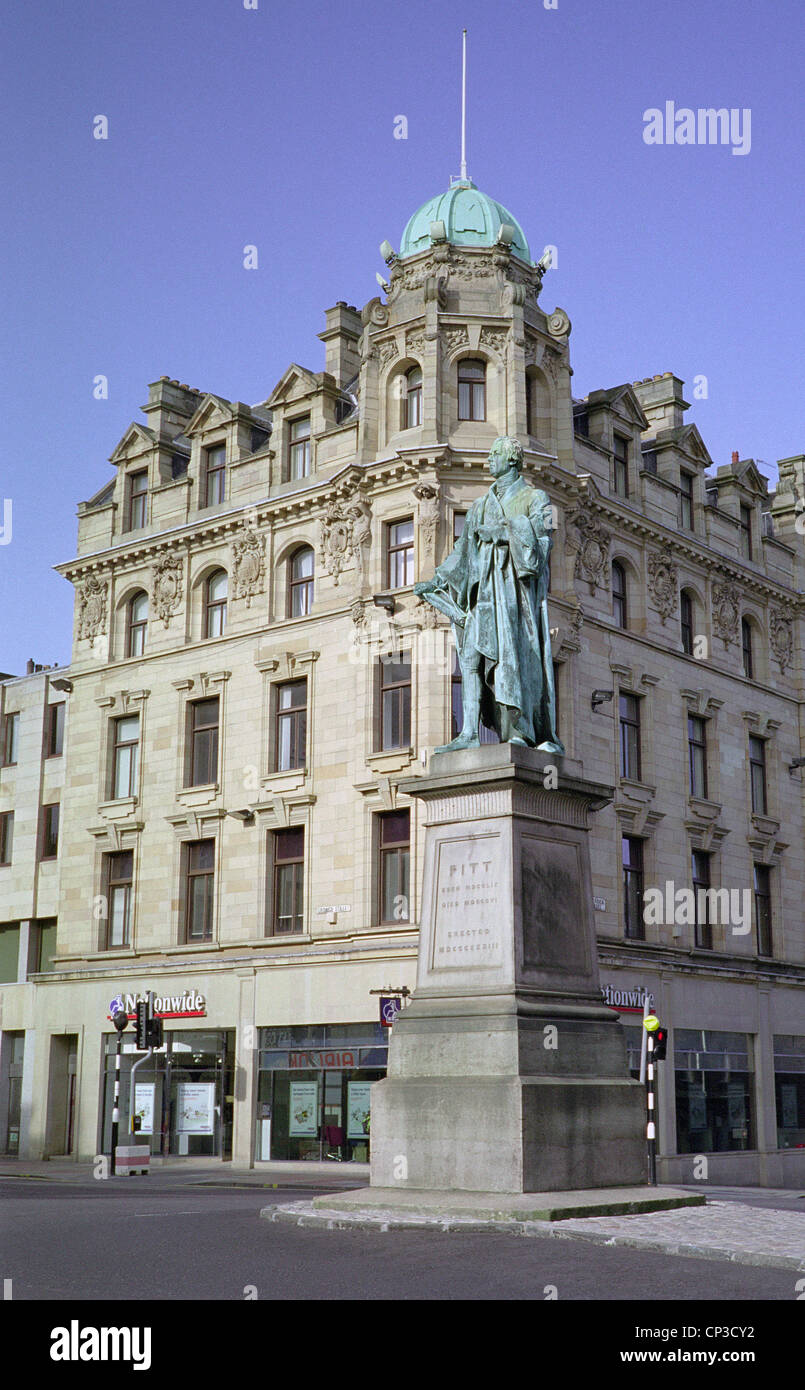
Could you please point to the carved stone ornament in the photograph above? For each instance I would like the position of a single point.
(592, 549)
(558, 324)
(495, 338)
(454, 338)
(551, 363)
(387, 351)
(428, 517)
(662, 582)
(726, 611)
(167, 586)
(415, 343)
(533, 352)
(92, 598)
(346, 533)
(781, 636)
(249, 565)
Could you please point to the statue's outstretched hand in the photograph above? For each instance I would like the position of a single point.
(424, 586)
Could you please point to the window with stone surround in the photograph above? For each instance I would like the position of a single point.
(412, 405)
(632, 862)
(394, 847)
(620, 465)
(686, 500)
(301, 566)
(697, 755)
(137, 506)
(214, 475)
(757, 775)
(400, 553)
(215, 597)
(701, 879)
(199, 889)
(763, 909)
(125, 756)
(747, 654)
(118, 870)
(11, 738)
(290, 727)
(54, 738)
(6, 837)
(136, 623)
(203, 723)
(395, 701)
(686, 621)
(49, 831)
(630, 758)
(620, 609)
(471, 389)
(299, 448)
(287, 853)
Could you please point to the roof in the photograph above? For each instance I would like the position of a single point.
(470, 217)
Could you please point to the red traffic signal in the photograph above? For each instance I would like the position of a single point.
(660, 1036)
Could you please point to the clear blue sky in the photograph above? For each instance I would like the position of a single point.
(274, 127)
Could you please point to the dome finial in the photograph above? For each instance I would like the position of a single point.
(464, 106)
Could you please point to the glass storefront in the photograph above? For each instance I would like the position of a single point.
(313, 1090)
(183, 1094)
(714, 1091)
(789, 1090)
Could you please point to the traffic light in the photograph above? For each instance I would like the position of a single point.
(154, 1031)
(660, 1043)
(142, 1026)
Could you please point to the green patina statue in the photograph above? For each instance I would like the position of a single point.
(494, 588)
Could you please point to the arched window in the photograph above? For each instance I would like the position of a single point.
(136, 623)
(746, 649)
(619, 608)
(300, 582)
(471, 389)
(412, 406)
(686, 621)
(215, 591)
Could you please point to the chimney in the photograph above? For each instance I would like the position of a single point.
(340, 337)
(661, 400)
(735, 456)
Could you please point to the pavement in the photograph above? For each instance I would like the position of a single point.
(324, 1177)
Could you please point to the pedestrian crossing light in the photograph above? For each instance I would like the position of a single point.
(651, 1023)
(660, 1043)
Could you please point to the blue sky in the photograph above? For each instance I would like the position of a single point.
(274, 127)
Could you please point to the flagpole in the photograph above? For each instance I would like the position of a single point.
(464, 106)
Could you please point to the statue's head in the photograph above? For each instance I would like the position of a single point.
(506, 452)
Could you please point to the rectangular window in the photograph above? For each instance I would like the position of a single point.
(632, 859)
(471, 390)
(581, 424)
(650, 461)
(630, 737)
(291, 730)
(700, 875)
(11, 737)
(620, 453)
(395, 700)
(138, 500)
(395, 840)
(762, 876)
(126, 758)
(6, 836)
(789, 1087)
(714, 1091)
(686, 500)
(697, 755)
(215, 475)
(459, 518)
(757, 775)
(746, 532)
(299, 448)
(400, 554)
(199, 889)
(49, 832)
(203, 742)
(289, 865)
(118, 872)
(55, 730)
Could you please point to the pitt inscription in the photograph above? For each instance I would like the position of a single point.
(467, 907)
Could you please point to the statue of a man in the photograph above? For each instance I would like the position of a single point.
(494, 589)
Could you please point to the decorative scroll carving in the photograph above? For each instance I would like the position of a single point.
(249, 566)
(781, 636)
(387, 351)
(558, 324)
(345, 534)
(92, 598)
(662, 582)
(494, 338)
(726, 611)
(415, 343)
(592, 549)
(454, 338)
(167, 586)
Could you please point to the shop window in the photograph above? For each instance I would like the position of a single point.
(11, 738)
(620, 609)
(630, 737)
(697, 755)
(203, 742)
(789, 1090)
(117, 873)
(214, 475)
(632, 862)
(125, 756)
(288, 848)
(138, 500)
(763, 910)
(54, 742)
(215, 596)
(290, 735)
(471, 389)
(199, 888)
(395, 860)
(757, 775)
(49, 831)
(395, 701)
(299, 449)
(400, 553)
(300, 582)
(6, 837)
(701, 881)
(136, 623)
(714, 1091)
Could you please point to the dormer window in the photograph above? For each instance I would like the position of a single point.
(215, 475)
(620, 456)
(259, 438)
(299, 449)
(471, 389)
(686, 500)
(746, 532)
(138, 500)
(581, 424)
(412, 412)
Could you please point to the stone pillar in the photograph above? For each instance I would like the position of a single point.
(507, 1073)
(26, 955)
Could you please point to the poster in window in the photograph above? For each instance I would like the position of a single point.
(144, 1105)
(788, 1106)
(697, 1110)
(195, 1107)
(304, 1117)
(358, 1093)
(736, 1109)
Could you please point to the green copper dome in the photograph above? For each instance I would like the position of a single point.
(470, 219)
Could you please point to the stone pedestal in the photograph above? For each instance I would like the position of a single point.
(506, 1072)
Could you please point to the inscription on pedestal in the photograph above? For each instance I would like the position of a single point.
(467, 930)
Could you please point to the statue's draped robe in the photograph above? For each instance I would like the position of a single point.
(496, 594)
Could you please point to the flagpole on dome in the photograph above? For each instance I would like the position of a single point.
(464, 106)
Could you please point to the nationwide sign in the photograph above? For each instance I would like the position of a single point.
(627, 1000)
(189, 1004)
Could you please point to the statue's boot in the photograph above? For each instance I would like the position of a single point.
(468, 738)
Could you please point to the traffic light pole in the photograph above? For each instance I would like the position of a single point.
(116, 1106)
(651, 1127)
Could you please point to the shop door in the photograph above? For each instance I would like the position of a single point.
(200, 1086)
(62, 1094)
(14, 1112)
